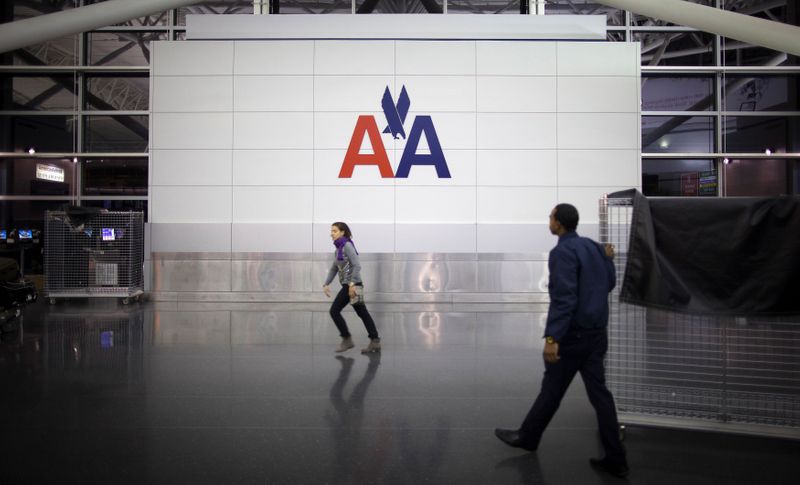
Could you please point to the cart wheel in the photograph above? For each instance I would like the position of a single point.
(125, 301)
(52, 301)
(622, 432)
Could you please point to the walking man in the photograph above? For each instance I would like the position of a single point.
(576, 339)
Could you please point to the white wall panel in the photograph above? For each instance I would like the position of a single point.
(192, 58)
(515, 204)
(203, 131)
(334, 130)
(598, 59)
(435, 204)
(351, 93)
(516, 167)
(273, 130)
(460, 163)
(273, 167)
(586, 200)
(598, 94)
(190, 167)
(190, 204)
(435, 238)
(273, 93)
(353, 57)
(454, 130)
(437, 58)
(170, 237)
(328, 164)
(515, 238)
(283, 57)
(516, 94)
(368, 237)
(438, 93)
(271, 238)
(598, 131)
(598, 167)
(185, 94)
(516, 58)
(516, 131)
(272, 204)
(354, 204)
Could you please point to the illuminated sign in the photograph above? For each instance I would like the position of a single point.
(49, 172)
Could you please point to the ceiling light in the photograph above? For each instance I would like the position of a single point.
(31, 151)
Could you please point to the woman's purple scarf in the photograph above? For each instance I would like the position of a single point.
(339, 243)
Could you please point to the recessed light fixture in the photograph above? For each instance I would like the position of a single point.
(31, 151)
(74, 159)
(726, 161)
(768, 151)
(664, 143)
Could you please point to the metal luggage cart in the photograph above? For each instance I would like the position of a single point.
(701, 372)
(102, 256)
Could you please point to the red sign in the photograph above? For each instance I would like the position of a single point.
(689, 184)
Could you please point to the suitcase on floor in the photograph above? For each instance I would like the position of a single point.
(8, 320)
(17, 293)
(14, 289)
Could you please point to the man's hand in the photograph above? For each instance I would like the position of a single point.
(609, 250)
(352, 291)
(327, 290)
(551, 352)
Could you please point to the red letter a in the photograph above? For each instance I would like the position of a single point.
(366, 124)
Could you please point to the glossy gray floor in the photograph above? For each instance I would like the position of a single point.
(96, 392)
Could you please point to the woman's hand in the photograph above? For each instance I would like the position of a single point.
(327, 290)
(352, 291)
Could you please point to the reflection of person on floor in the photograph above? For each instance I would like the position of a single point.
(346, 424)
(348, 266)
(581, 277)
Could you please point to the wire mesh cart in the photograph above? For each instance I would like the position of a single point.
(700, 372)
(99, 255)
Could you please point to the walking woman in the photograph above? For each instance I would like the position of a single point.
(348, 266)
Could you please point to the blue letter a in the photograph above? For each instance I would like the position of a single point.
(410, 155)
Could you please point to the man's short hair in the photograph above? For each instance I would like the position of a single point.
(567, 215)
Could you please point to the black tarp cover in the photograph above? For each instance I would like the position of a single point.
(737, 256)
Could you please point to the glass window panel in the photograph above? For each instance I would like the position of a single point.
(54, 52)
(682, 48)
(154, 19)
(121, 48)
(615, 35)
(119, 205)
(117, 92)
(115, 176)
(27, 214)
(738, 53)
(645, 21)
(677, 93)
(768, 10)
(117, 133)
(614, 16)
(31, 176)
(45, 133)
(37, 92)
(756, 134)
(758, 177)
(26, 10)
(677, 134)
(748, 92)
(684, 177)
(180, 35)
(217, 7)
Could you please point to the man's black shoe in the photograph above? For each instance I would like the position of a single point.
(619, 470)
(511, 438)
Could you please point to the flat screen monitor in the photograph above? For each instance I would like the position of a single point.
(108, 234)
(25, 234)
(3, 235)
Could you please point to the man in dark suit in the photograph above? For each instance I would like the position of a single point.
(576, 339)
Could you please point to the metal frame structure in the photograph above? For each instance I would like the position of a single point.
(101, 256)
(669, 369)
